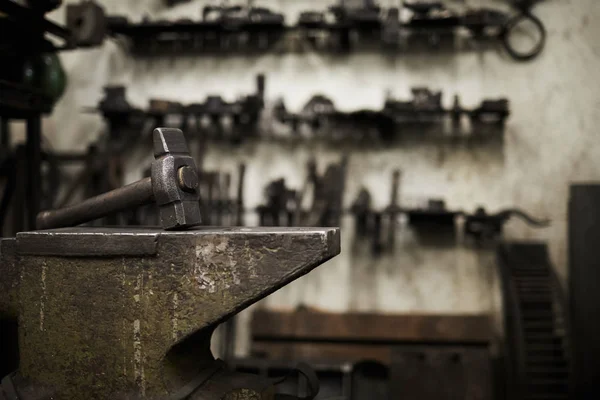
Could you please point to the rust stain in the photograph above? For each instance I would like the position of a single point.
(43, 296)
(138, 365)
(174, 319)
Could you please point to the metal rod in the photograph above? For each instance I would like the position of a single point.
(18, 207)
(377, 245)
(9, 188)
(216, 205)
(34, 168)
(4, 133)
(393, 208)
(225, 203)
(240, 195)
(130, 196)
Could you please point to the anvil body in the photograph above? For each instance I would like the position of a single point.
(129, 313)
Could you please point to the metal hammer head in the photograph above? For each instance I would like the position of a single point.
(175, 180)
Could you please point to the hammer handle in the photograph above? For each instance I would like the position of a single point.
(133, 195)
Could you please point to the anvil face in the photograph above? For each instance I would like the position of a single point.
(101, 309)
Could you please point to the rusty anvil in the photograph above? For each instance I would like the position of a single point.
(128, 313)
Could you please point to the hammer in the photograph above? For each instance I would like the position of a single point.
(173, 185)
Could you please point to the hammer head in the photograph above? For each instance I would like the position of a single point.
(175, 180)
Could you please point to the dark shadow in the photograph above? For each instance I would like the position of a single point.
(423, 43)
(435, 235)
(188, 357)
(9, 346)
(370, 380)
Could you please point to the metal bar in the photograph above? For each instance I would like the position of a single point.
(583, 276)
(210, 202)
(225, 200)
(4, 132)
(34, 168)
(9, 189)
(18, 207)
(216, 204)
(393, 214)
(377, 245)
(240, 195)
(130, 196)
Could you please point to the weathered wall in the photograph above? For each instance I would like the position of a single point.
(551, 140)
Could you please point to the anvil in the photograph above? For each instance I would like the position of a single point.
(111, 313)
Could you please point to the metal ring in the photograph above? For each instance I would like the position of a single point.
(511, 24)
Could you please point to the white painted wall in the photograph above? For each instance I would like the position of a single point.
(551, 140)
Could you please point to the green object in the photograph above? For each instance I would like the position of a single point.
(45, 73)
(52, 75)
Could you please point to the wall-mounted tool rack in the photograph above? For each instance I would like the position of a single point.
(214, 118)
(285, 206)
(424, 112)
(217, 119)
(433, 219)
(342, 27)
